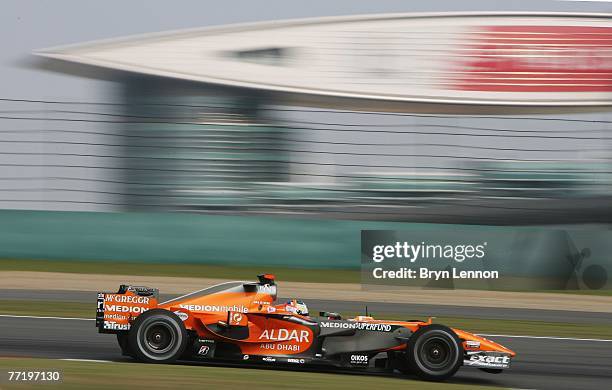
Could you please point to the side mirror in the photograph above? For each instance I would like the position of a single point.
(330, 315)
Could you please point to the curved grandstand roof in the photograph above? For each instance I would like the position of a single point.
(516, 59)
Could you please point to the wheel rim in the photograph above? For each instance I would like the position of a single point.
(159, 337)
(436, 353)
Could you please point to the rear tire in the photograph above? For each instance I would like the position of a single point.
(434, 353)
(124, 344)
(157, 336)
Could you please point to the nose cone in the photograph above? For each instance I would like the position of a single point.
(471, 341)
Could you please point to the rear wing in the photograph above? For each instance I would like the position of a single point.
(115, 312)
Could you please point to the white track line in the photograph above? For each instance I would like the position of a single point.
(541, 337)
(87, 360)
(517, 388)
(480, 334)
(47, 318)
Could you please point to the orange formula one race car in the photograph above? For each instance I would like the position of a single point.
(239, 321)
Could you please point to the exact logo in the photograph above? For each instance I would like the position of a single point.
(489, 361)
(203, 350)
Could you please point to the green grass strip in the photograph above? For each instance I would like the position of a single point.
(103, 375)
(183, 270)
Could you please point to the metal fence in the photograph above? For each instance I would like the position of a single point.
(214, 155)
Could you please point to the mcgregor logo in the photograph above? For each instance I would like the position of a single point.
(285, 335)
(126, 299)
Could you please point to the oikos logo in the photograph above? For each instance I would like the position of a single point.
(359, 359)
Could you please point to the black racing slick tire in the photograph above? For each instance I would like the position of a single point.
(434, 353)
(124, 344)
(157, 336)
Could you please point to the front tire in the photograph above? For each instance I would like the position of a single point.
(434, 353)
(157, 336)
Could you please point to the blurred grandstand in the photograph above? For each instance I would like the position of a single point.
(220, 157)
(177, 145)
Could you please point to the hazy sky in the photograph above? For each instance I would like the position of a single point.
(26, 25)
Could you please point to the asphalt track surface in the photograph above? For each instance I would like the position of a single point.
(541, 363)
(413, 311)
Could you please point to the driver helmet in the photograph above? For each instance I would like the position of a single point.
(298, 307)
